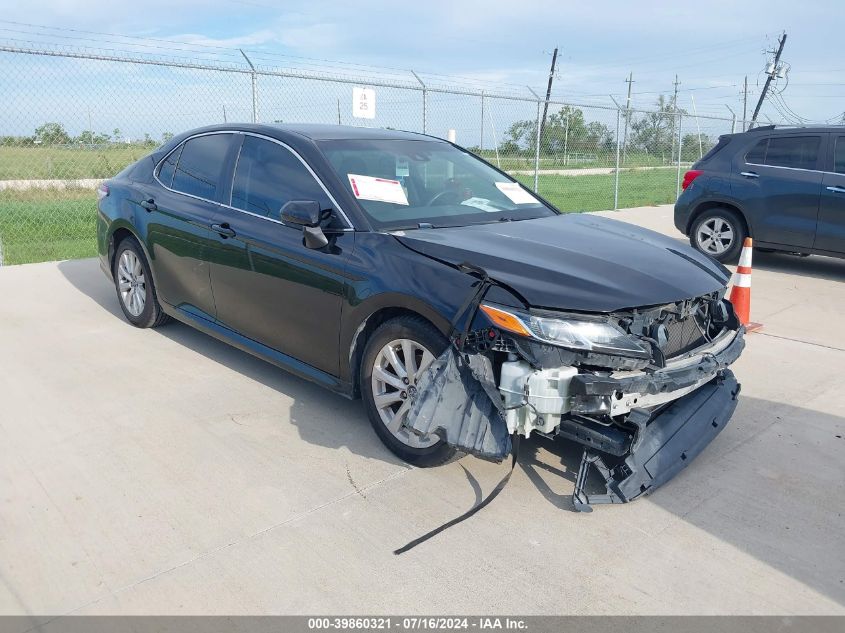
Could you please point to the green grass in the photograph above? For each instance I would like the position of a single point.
(50, 224)
(39, 163)
(595, 193)
(41, 225)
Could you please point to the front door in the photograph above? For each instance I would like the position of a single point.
(267, 285)
(830, 235)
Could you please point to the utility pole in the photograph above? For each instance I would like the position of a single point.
(744, 102)
(771, 75)
(629, 81)
(548, 92)
(338, 111)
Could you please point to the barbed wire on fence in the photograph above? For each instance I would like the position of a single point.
(72, 116)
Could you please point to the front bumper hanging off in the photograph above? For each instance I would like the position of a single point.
(664, 445)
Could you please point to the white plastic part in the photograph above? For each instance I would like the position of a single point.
(544, 395)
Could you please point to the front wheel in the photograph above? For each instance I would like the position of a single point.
(719, 233)
(396, 356)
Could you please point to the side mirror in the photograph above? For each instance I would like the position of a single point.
(301, 212)
(308, 215)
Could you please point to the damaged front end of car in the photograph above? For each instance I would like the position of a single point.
(644, 390)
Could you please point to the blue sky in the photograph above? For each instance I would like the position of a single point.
(710, 45)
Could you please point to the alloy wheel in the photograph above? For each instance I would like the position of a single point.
(715, 236)
(396, 370)
(131, 283)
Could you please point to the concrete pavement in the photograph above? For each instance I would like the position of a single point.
(164, 472)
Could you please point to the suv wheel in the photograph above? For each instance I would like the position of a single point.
(718, 233)
(134, 285)
(395, 357)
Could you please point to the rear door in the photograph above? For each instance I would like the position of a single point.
(780, 179)
(178, 233)
(830, 235)
(267, 284)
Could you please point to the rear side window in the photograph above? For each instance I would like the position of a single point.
(268, 175)
(198, 169)
(801, 152)
(839, 155)
(757, 154)
(168, 167)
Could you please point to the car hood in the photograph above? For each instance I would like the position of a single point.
(578, 262)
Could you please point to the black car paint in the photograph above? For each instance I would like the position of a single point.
(329, 299)
(783, 208)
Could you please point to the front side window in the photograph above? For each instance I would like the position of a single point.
(198, 170)
(408, 183)
(269, 175)
(801, 152)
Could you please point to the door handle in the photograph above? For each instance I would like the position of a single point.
(223, 230)
(149, 204)
(836, 189)
(749, 174)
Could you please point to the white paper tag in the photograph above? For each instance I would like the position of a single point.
(515, 193)
(480, 203)
(403, 170)
(378, 189)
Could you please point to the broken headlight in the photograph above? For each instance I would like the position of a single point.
(597, 335)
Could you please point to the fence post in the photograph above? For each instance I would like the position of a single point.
(616, 171)
(537, 154)
(424, 101)
(481, 144)
(254, 88)
(680, 149)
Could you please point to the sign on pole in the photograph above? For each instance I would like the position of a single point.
(363, 103)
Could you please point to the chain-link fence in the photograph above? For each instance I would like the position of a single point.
(71, 117)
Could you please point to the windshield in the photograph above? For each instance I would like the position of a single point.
(412, 184)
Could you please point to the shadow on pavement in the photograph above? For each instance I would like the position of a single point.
(770, 484)
(829, 268)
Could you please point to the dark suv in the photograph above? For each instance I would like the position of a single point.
(785, 187)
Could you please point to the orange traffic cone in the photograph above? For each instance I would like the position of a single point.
(741, 291)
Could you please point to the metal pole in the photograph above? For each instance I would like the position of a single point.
(424, 102)
(745, 103)
(680, 147)
(566, 141)
(733, 121)
(254, 88)
(537, 153)
(481, 144)
(616, 171)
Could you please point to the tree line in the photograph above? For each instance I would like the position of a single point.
(52, 133)
(567, 132)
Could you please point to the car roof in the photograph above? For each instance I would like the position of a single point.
(315, 131)
(796, 129)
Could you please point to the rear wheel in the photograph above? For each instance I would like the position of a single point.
(719, 233)
(134, 285)
(396, 356)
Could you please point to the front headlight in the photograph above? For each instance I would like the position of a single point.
(575, 332)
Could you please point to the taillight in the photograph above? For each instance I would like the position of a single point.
(691, 175)
(102, 191)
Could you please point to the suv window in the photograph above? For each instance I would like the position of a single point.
(801, 152)
(198, 170)
(757, 154)
(268, 175)
(839, 155)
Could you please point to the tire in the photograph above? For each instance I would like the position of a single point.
(725, 224)
(134, 286)
(425, 343)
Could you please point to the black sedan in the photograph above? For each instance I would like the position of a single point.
(356, 257)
